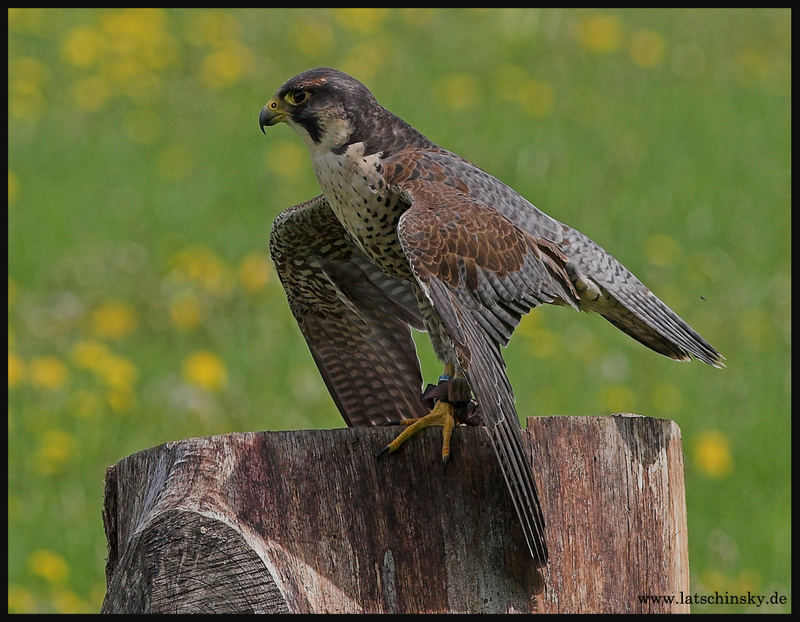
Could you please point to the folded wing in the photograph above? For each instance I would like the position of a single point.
(481, 273)
(356, 319)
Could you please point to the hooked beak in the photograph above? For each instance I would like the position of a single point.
(271, 114)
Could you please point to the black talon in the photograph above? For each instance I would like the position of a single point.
(382, 451)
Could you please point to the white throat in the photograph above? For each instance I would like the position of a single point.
(334, 133)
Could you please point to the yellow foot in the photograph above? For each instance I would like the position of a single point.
(442, 414)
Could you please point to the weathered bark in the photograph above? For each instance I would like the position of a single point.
(311, 521)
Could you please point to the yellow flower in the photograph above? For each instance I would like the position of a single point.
(26, 100)
(32, 70)
(713, 580)
(20, 600)
(82, 46)
(206, 370)
(139, 33)
(748, 581)
(89, 354)
(513, 84)
(202, 266)
(255, 272)
(124, 52)
(226, 65)
(16, 370)
(185, 313)
(54, 451)
(618, 398)
(48, 565)
(121, 400)
(712, 454)
(27, 78)
(647, 48)
(113, 320)
(118, 372)
(47, 372)
(600, 33)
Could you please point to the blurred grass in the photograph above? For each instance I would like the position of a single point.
(142, 307)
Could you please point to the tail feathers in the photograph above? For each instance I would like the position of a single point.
(653, 324)
(606, 287)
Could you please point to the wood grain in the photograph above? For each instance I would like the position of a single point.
(311, 522)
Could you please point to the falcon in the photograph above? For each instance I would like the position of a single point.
(406, 234)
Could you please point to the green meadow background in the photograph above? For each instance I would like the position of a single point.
(142, 307)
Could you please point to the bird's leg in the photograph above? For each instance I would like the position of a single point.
(442, 414)
(450, 395)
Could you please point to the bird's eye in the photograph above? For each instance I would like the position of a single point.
(296, 97)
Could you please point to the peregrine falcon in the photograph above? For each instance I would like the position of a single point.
(406, 234)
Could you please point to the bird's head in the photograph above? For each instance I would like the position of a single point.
(324, 106)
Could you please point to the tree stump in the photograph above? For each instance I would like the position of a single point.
(311, 521)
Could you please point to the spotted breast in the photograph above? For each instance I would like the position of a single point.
(355, 188)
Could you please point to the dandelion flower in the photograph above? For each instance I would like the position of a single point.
(255, 272)
(47, 372)
(206, 370)
(54, 452)
(114, 320)
(48, 565)
(712, 454)
(600, 33)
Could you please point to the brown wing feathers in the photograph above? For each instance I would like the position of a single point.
(351, 314)
(481, 273)
(471, 247)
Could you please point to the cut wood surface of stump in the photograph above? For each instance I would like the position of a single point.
(311, 521)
